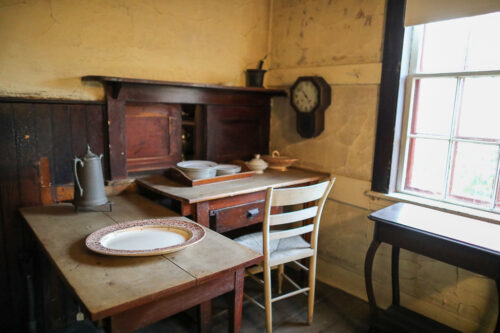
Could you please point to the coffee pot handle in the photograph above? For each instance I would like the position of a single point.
(76, 160)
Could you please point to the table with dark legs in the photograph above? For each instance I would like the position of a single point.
(464, 242)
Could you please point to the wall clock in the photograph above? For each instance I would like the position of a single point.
(310, 97)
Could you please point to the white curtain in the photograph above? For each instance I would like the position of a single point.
(425, 11)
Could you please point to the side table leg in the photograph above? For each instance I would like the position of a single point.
(236, 302)
(395, 275)
(497, 327)
(370, 255)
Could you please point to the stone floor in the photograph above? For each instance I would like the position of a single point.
(335, 311)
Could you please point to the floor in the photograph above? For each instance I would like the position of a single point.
(335, 311)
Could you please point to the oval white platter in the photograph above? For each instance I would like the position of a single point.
(145, 237)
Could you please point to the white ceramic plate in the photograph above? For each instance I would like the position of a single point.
(145, 237)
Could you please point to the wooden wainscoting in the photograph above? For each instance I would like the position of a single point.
(38, 139)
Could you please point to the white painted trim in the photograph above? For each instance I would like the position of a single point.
(440, 205)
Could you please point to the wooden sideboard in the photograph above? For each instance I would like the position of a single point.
(228, 205)
(147, 119)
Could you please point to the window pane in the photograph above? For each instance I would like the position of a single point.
(480, 111)
(473, 173)
(426, 166)
(484, 43)
(444, 46)
(433, 106)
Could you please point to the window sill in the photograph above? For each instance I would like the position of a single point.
(443, 206)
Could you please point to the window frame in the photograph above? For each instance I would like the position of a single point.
(387, 155)
(404, 147)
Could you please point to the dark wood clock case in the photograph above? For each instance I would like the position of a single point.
(312, 124)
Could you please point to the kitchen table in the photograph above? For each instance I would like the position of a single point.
(131, 292)
(228, 205)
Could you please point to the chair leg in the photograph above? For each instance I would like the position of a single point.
(312, 288)
(281, 269)
(268, 295)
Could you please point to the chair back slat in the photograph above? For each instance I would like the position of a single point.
(299, 215)
(291, 232)
(298, 195)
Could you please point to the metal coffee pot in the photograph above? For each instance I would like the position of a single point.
(89, 181)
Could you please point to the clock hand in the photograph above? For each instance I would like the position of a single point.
(307, 97)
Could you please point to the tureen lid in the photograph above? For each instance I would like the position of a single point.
(257, 161)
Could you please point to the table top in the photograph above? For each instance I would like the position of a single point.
(107, 285)
(260, 182)
(467, 231)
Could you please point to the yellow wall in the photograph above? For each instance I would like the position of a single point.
(46, 46)
(342, 40)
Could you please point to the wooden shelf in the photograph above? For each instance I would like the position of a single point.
(122, 80)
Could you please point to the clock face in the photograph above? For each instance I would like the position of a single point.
(305, 96)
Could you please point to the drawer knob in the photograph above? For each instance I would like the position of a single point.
(253, 212)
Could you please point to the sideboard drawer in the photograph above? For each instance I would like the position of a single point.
(235, 217)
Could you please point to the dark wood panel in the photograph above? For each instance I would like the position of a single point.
(236, 132)
(12, 242)
(43, 129)
(38, 140)
(96, 129)
(26, 150)
(61, 143)
(78, 116)
(389, 87)
(116, 141)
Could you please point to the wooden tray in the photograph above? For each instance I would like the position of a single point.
(181, 177)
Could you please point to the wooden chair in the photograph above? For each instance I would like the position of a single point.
(281, 246)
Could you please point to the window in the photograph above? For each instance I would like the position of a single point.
(450, 139)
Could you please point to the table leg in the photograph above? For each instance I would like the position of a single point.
(497, 327)
(395, 275)
(205, 317)
(370, 255)
(202, 214)
(236, 302)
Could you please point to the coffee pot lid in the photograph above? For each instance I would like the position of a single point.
(89, 154)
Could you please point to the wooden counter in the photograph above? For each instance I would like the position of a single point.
(228, 205)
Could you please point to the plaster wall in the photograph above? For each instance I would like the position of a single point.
(342, 41)
(48, 45)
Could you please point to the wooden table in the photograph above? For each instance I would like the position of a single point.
(231, 204)
(132, 292)
(464, 242)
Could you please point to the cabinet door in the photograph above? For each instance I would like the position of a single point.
(153, 136)
(236, 132)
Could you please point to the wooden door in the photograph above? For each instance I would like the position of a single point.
(153, 136)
